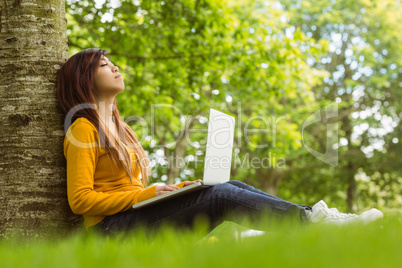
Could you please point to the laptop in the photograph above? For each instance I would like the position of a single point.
(218, 157)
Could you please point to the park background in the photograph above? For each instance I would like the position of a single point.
(271, 64)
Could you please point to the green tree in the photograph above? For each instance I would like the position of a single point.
(364, 61)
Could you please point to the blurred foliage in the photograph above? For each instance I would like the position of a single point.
(364, 60)
(270, 65)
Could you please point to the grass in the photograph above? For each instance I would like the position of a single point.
(376, 245)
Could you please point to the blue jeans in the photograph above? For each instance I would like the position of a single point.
(230, 201)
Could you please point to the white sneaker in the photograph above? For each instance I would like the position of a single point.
(321, 213)
(371, 215)
(321, 204)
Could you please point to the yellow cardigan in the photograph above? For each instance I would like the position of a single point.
(96, 185)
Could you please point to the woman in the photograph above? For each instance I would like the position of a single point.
(105, 161)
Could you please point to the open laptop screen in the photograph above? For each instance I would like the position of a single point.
(218, 156)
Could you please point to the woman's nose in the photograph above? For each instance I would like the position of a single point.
(115, 69)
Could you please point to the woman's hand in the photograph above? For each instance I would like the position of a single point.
(187, 183)
(164, 189)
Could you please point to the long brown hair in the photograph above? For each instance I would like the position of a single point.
(75, 82)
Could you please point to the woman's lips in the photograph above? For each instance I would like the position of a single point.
(118, 76)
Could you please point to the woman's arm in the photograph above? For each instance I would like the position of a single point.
(82, 152)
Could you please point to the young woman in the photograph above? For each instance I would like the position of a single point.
(105, 161)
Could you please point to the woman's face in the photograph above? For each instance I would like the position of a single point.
(108, 82)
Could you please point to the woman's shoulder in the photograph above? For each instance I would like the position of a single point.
(81, 130)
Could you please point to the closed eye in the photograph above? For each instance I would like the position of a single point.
(103, 65)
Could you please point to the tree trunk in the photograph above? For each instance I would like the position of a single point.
(33, 44)
(347, 127)
(350, 169)
(352, 188)
(269, 181)
(177, 159)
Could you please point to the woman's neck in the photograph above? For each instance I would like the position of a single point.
(105, 109)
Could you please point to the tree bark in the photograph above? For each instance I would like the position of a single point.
(176, 160)
(350, 169)
(33, 44)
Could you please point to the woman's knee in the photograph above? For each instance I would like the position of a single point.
(228, 189)
(237, 183)
(224, 188)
